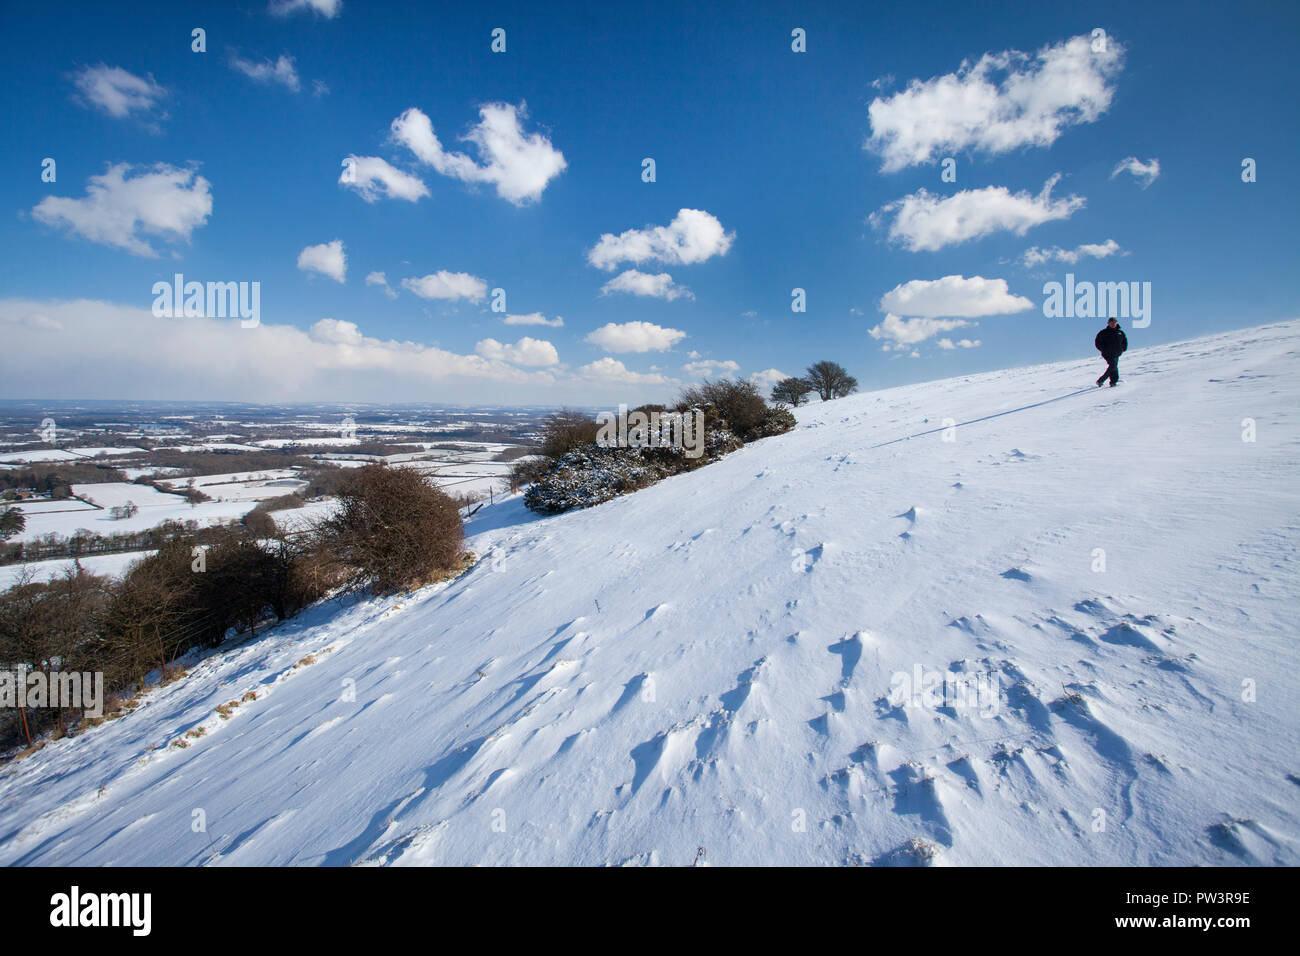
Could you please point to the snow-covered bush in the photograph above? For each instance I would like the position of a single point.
(590, 474)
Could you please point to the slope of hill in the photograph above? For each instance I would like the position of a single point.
(744, 659)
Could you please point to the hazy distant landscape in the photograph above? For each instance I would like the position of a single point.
(81, 473)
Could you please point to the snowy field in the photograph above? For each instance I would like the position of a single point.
(61, 454)
(155, 507)
(243, 485)
(109, 565)
(46, 505)
(745, 658)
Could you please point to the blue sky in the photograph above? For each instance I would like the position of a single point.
(225, 166)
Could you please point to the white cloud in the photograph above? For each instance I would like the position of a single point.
(31, 320)
(927, 222)
(954, 296)
(448, 285)
(527, 351)
(612, 371)
(693, 236)
(962, 344)
(108, 349)
(117, 92)
(533, 318)
(659, 286)
(714, 367)
(329, 9)
(519, 166)
(1001, 102)
(1144, 173)
(635, 337)
(165, 201)
(1089, 250)
(768, 377)
(381, 280)
(328, 259)
(898, 332)
(373, 178)
(282, 71)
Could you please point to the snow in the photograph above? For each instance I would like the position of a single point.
(155, 507)
(69, 454)
(108, 565)
(243, 485)
(710, 661)
(33, 506)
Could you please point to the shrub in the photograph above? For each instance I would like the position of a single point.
(260, 523)
(739, 404)
(527, 470)
(565, 430)
(776, 421)
(590, 475)
(392, 530)
(45, 625)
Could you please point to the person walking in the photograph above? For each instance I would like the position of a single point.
(1111, 342)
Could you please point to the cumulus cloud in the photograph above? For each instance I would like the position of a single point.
(1144, 173)
(898, 333)
(533, 318)
(374, 178)
(519, 166)
(1001, 102)
(954, 296)
(328, 259)
(635, 337)
(926, 222)
(118, 92)
(527, 351)
(119, 208)
(961, 344)
(31, 320)
(381, 280)
(108, 349)
(329, 9)
(1089, 250)
(282, 71)
(712, 367)
(693, 236)
(448, 285)
(612, 371)
(768, 377)
(634, 282)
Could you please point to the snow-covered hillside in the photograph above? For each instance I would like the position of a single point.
(720, 660)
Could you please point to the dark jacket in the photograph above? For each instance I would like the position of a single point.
(1111, 343)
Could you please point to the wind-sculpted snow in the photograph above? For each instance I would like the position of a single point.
(1005, 618)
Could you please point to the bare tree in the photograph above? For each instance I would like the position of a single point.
(791, 391)
(830, 380)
